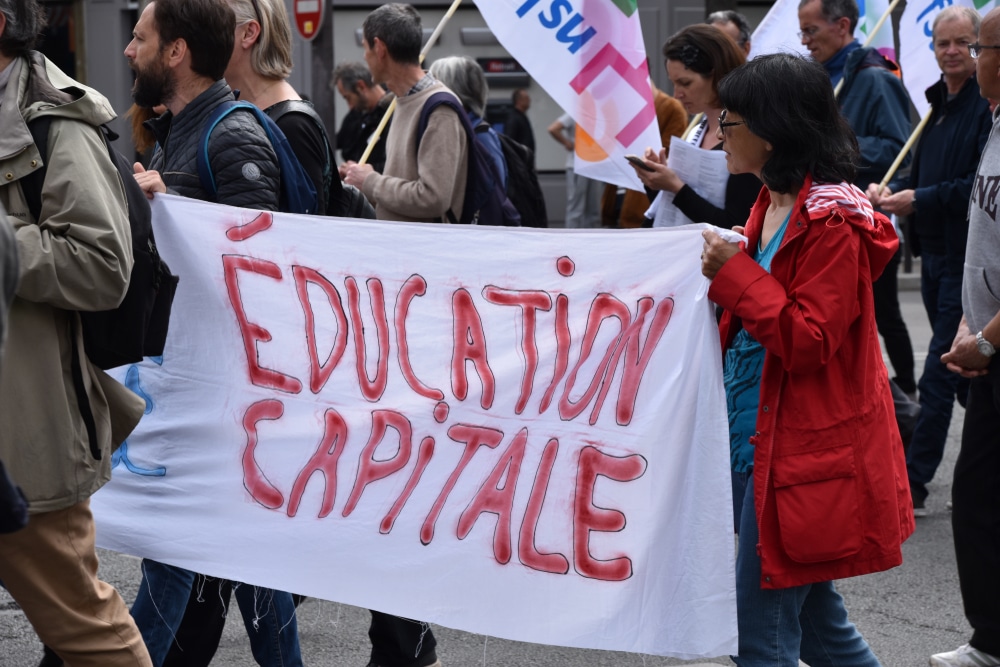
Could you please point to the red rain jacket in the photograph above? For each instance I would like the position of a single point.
(831, 490)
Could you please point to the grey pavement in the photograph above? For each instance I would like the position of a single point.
(906, 614)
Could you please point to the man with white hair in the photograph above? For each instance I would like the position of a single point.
(936, 193)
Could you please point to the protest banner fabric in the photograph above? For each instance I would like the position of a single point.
(515, 432)
(870, 12)
(589, 57)
(916, 45)
(778, 31)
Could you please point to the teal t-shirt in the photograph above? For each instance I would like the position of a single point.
(741, 374)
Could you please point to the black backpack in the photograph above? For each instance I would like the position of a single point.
(137, 328)
(485, 201)
(342, 201)
(523, 188)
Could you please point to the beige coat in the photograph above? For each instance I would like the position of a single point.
(77, 257)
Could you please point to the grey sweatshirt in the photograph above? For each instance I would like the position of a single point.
(981, 284)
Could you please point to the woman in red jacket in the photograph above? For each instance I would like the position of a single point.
(810, 406)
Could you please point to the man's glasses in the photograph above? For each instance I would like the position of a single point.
(976, 50)
(723, 123)
(809, 32)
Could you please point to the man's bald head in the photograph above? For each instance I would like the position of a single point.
(988, 63)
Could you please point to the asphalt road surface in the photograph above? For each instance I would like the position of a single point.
(906, 614)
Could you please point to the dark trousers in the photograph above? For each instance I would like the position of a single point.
(941, 290)
(891, 326)
(269, 617)
(400, 642)
(976, 515)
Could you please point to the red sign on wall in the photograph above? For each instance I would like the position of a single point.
(308, 17)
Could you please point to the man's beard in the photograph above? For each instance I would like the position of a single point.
(153, 85)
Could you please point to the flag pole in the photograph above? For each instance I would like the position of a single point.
(906, 149)
(871, 36)
(423, 54)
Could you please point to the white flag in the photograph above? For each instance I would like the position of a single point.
(778, 32)
(916, 45)
(589, 56)
(871, 11)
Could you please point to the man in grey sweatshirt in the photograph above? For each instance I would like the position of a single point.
(976, 514)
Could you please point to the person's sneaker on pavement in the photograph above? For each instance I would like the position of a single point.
(964, 656)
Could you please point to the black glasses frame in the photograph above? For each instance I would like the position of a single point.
(976, 50)
(723, 123)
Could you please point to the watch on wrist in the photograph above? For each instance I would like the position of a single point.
(985, 347)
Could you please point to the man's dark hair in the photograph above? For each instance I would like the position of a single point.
(25, 20)
(207, 27)
(350, 73)
(788, 102)
(516, 95)
(706, 50)
(837, 9)
(398, 27)
(734, 17)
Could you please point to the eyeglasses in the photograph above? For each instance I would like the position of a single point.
(809, 32)
(976, 50)
(723, 123)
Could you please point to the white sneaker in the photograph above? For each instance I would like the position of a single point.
(964, 656)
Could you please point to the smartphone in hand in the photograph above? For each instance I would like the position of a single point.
(637, 161)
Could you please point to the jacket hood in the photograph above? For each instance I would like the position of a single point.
(48, 91)
(38, 88)
(868, 57)
(848, 203)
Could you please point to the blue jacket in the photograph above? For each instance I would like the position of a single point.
(876, 105)
(944, 167)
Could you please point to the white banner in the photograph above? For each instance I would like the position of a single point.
(916, 45)
(871, 12)
(589, 57)
(515, 432)
(778, 31)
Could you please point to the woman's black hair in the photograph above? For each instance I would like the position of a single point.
(788, 101)
(706, 50)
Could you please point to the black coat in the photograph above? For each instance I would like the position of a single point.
(944, 167)
(243, 162)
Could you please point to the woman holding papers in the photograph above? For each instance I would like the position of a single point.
(697, 58)
(810, 409)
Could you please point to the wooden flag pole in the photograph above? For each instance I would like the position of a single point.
(906, 149)
(423, 54)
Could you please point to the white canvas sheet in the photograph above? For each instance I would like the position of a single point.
(446, 423)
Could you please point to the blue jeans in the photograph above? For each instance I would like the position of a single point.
(941, 290)
(778, 626)
(159, 605)
(269, 615)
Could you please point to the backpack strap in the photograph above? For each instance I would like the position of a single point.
(277, 111)
(205, 174)
(450, 101)
(301, 199)
(31, 184)
(31, 188)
